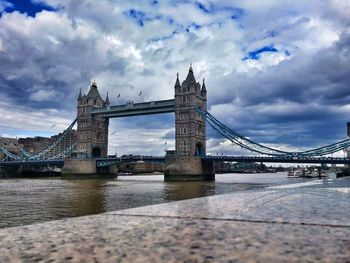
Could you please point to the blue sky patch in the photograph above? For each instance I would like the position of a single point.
(202, 7)
(235, 12)
(162, 38)
(27, 7)
(141, 17)
(255, 54)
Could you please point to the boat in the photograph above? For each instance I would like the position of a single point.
(122, 173)
(294, 174)
(317, 174)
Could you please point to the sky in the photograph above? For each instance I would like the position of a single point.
(277, 72)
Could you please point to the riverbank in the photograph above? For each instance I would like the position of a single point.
(303, 222)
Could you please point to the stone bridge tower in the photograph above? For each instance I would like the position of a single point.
(187, 163)
(92, 131)
(190, 139)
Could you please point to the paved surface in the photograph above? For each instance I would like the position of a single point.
(294, 223)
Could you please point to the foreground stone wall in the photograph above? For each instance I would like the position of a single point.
(277, 224)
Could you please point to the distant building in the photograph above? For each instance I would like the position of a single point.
(66, 142)
(11, 144)
(140, 167)
(36, 144)
(222, 167)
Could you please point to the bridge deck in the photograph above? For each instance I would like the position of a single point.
(113, 160)
(133, 109)
(270, 159)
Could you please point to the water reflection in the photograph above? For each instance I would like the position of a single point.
(180, 191)
(89, 197)
(27, 201)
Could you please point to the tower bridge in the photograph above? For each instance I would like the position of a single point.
(88, 154)
(93, 114)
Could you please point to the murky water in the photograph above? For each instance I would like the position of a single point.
(28, 201)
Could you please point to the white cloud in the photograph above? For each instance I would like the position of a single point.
(44, 95)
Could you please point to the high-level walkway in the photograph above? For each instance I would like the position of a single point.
(305, 222)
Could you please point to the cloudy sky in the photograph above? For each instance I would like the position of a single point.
(276, 71)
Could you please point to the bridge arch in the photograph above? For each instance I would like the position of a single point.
(96, 152)
(199, 150)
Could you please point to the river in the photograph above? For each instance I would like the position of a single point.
(28, 201)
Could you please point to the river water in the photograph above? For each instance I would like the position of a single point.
(28, 201)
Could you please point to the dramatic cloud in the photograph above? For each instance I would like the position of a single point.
(276, 71)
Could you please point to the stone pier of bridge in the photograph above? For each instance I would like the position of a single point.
(186, 162)
(182, 164)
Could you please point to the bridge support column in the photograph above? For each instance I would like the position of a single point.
(184, 168)
(12, 171)
(186, 163)
(86, 168)
(79, 166)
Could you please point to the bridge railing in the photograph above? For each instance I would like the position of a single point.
(252, 146)
(45, 153)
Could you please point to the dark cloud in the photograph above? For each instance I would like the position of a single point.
(60, 61)
(302, 100)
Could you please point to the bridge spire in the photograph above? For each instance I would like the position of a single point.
(177, 83)
(190, 79)
(79, 96)
(107, 100)
(93, 92)
(203, 86)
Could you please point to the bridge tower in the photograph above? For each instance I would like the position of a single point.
(189, 125)
(190, 136)
(92, 130)
(92, 135)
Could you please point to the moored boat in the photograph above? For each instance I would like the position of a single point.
(294, 174)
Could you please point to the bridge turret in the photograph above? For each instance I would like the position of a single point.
(94, 97)
(177, 83)
(79, 96)
(107, 104)
(204, 90)
(190, 79)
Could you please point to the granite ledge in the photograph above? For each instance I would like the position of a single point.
(177, 231)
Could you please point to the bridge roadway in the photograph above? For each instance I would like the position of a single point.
(104, 162)
(101, 162)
